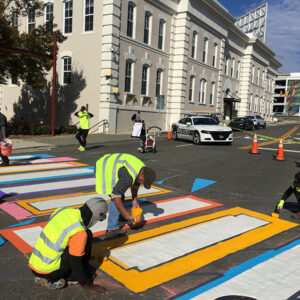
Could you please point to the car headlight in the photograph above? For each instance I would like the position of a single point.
(205, 131)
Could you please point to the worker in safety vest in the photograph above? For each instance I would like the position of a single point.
(115, 173)
(83, 131)
(63, 249)
(293, 188)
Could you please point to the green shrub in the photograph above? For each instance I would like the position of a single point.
(42, 130)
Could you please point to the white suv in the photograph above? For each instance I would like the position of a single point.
(258, 121)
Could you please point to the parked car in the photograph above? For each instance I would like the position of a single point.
(201, 129)
(258, 121)
(242, 123)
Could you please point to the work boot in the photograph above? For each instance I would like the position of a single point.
(82, 149)
(113, 233)
(296, 215)
(59, 284)
(41, 281)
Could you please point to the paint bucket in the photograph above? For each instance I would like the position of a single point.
(137, 214)
(6, 147)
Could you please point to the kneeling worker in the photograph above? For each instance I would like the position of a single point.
(63, 249)
(293, 188)
(115, 173)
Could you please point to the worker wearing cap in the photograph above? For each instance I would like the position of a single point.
(294, 188)
(83, 131)
(115, 173)
(63, 249)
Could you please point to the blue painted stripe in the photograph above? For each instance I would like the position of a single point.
(160, 182)
(22, 223)
(49, 177)
(2, 241)
(237, 270)
(200, 184)
(35, 156)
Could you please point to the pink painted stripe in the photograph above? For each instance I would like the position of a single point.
(15, 210)
(50, 160)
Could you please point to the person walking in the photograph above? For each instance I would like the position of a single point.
(63, 249)
(115, 173)
(83, 131)
(294, 188)
(3, 135)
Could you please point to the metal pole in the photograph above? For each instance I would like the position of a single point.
(53, 86)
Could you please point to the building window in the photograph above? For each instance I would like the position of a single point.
(14, 19)
(128, 75)
(161, 30)
(212, 94)
(130, 19)
(194, 44)
(226, 65)
(252, 73)
(258, 76)
(89, 15)
(49, 15)
(191, 88)
(238, 70)
(250, 102)
(67, 70)
(232, 67)
(214, 59)
(147, 27)
(205, 47)
(202, 91)
(158, 83)
(30, 19)
(68, 16)
(144, 80)
(255, 103)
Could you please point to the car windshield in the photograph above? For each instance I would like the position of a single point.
(239, 119)
(204, 121)
(251, 117)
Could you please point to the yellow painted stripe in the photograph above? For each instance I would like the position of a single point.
(138, 281)
(284, 136)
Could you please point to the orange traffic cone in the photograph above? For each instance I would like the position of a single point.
(280, 150)
(254, 149)
(169, 133)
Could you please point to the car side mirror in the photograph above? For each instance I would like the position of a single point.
(188, 123)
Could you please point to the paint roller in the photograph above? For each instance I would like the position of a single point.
(277, 208)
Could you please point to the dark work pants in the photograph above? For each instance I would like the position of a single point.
(81, 136)
(5, 159)
(65, 270)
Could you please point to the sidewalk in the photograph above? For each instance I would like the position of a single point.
(63, 140)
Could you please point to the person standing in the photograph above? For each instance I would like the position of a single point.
(63, 249)
(115, 173)
(294, 188)
(83, 131)
(3, 135)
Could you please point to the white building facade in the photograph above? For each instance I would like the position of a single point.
(165, 58)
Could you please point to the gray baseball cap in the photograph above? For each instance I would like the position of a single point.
(98, 207)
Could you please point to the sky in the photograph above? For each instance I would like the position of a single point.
(283, 28)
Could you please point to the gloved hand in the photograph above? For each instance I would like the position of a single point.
(279, 205)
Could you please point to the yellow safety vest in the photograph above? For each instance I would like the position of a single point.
(53, 240)
(84, 119)
(107, 168)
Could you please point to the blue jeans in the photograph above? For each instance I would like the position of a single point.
(113, 217)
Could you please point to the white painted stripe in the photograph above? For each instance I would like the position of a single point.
(48, 186)
(77, 200)
(276, 278)
(152, 211)
(185, 145)
(273, 149)
(45, 174)
(157, 251)
(25, 168)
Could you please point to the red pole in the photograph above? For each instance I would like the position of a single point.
(53, 86)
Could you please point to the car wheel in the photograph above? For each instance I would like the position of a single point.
(174, 135)
(154, 149)
(196, 138)
(252, 127)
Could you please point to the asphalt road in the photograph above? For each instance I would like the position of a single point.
(252, 182)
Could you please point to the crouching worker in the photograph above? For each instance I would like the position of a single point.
(63, 249)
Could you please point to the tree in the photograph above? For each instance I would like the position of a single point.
(22, 67)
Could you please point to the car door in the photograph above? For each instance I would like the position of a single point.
(181, 128)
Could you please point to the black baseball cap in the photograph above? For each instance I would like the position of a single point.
(149, 177)
(297, 180)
